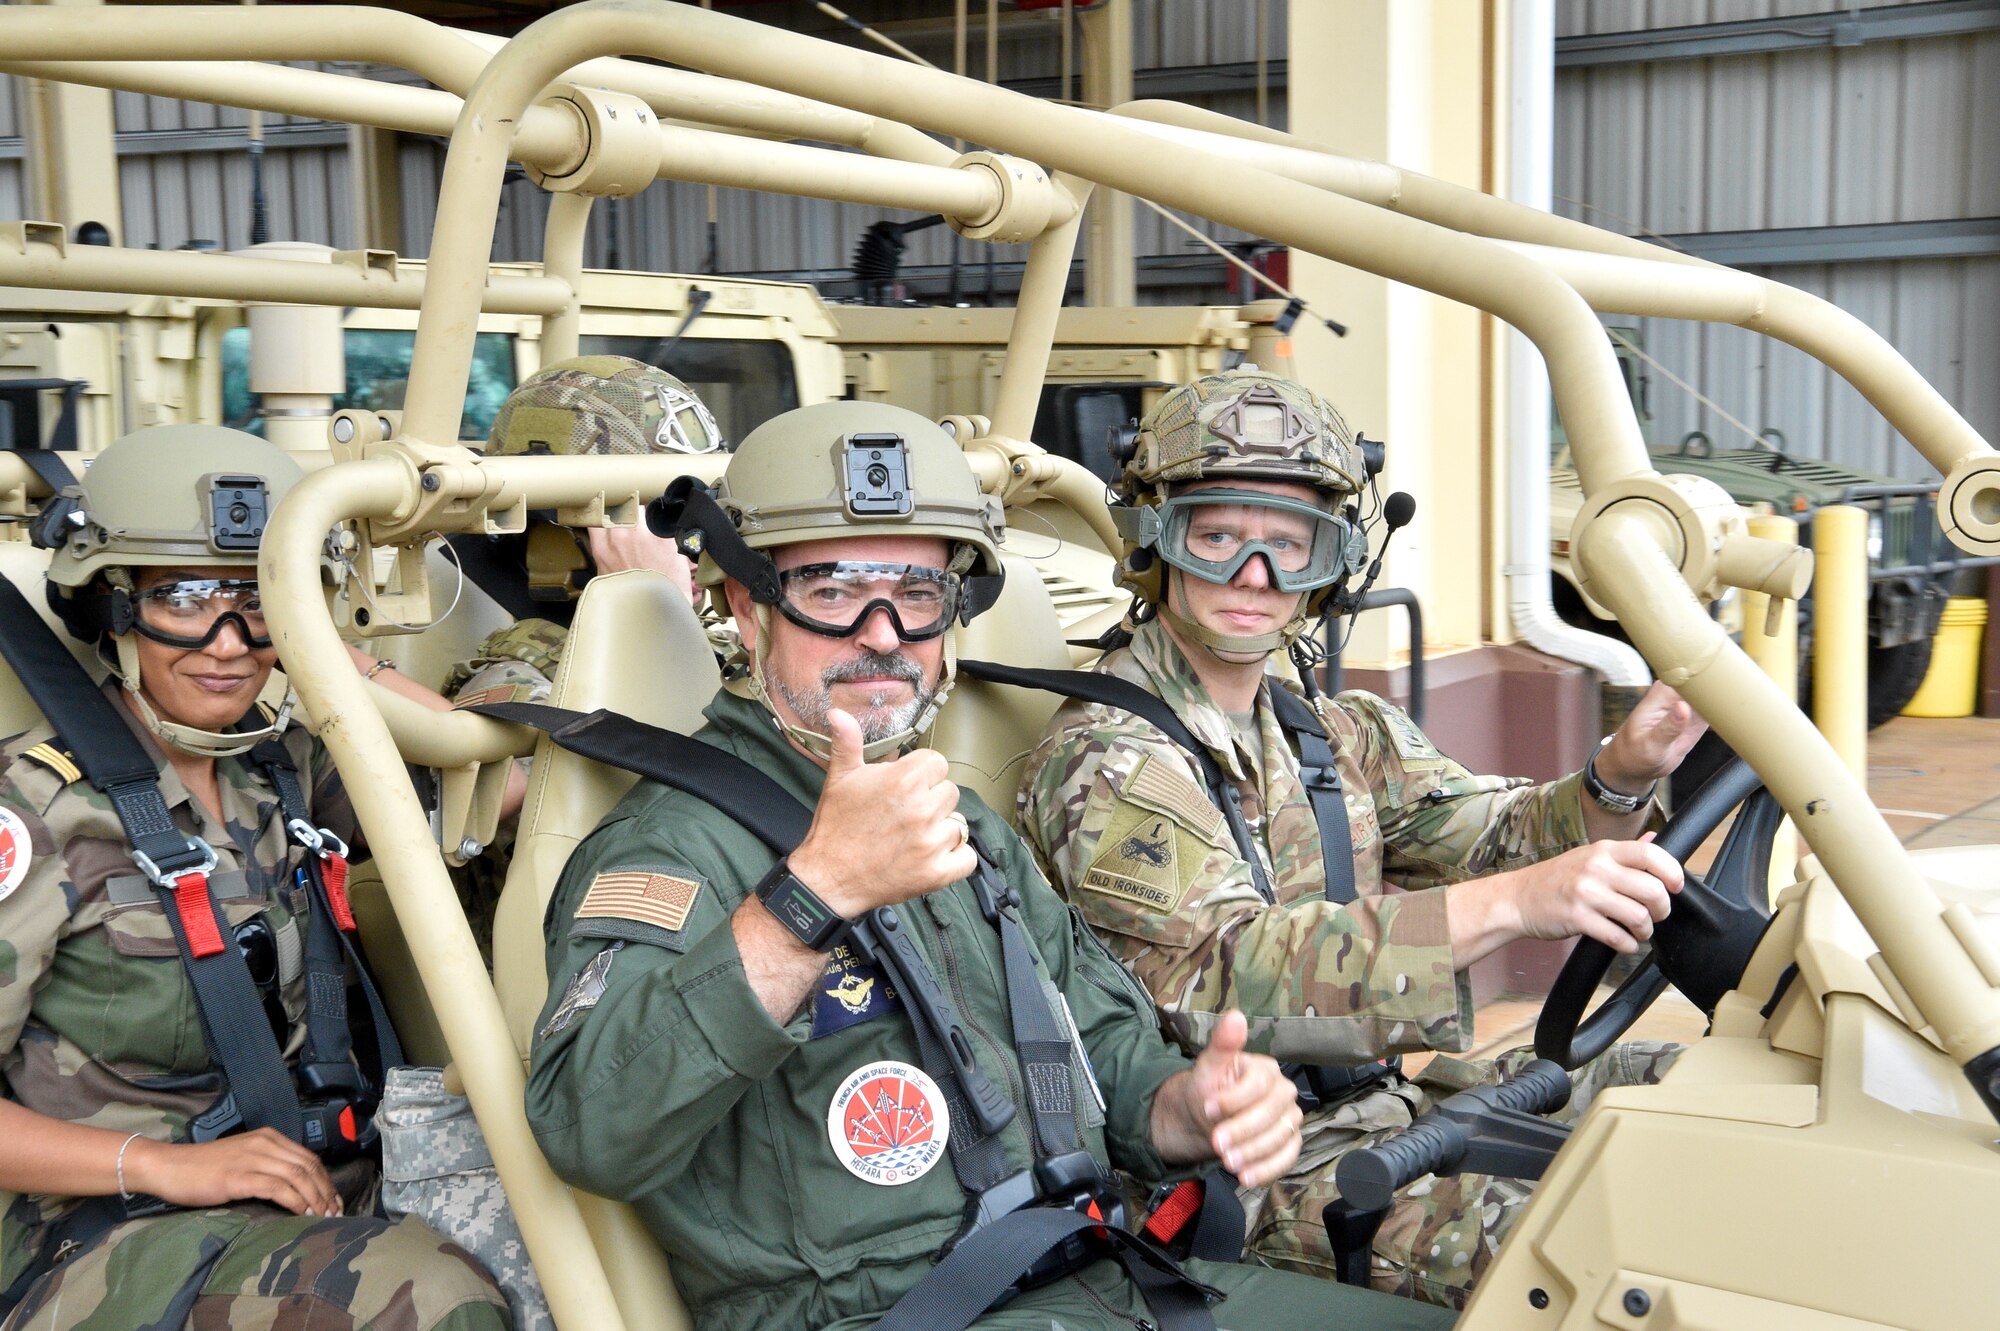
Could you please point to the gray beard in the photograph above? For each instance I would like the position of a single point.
(879, 719)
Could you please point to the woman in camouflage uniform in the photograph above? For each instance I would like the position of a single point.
(1239, 527)
(106, 1057)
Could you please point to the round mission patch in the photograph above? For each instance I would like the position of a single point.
(15, 852)
(888, 1123)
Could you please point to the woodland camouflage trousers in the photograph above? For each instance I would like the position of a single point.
(256, 1268)
(1442, 1233)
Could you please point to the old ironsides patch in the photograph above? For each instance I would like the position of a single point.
(888, 1123)
(1139, 860)
(657, 899)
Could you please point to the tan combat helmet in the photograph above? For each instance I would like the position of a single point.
(593, 405)
(172, 495)
(834, 470)
(1241, 425)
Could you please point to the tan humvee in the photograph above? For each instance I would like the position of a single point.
(1839, 1121)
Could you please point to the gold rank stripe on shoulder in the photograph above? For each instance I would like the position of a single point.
(657, 899)
(56, 760)
(1172, 793)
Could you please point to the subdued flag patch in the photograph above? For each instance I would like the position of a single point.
(657, 899)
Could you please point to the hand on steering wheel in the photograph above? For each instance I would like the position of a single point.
(1702, 945)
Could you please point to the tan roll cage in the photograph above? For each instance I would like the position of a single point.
(1649, 546)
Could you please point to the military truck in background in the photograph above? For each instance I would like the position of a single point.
(1911, 567)
(79, 369)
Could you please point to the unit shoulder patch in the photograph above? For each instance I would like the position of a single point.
(658, 899)
(1139, 860)
(583, 992)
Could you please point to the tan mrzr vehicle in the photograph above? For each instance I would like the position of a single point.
(1839, 1120)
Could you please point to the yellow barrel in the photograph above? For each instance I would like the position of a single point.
(1951, 685)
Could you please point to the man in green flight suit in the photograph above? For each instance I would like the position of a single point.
(1240, 520)
(716, 1050)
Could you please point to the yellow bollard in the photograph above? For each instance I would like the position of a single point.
(1840, 632)
(1777, 655)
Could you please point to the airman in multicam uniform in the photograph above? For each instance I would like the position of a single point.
(106, 1061)
(1241, 525)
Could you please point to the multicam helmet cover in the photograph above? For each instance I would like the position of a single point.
(602, 404)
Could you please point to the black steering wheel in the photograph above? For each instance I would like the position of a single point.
(1704, 943)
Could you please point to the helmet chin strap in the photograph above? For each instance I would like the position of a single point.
(1261, 644)
(821, 746)
(202, 743)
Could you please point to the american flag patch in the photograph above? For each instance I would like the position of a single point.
(633, 894)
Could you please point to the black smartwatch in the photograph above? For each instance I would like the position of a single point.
(811, 920)
(1607, 799)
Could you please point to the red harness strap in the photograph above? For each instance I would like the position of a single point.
(1181, 1206)
(333, 874)
(197, 912)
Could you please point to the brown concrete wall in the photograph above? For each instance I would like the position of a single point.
(1507, 711)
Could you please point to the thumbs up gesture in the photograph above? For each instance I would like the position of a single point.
(882, 832)
(1247, 1109)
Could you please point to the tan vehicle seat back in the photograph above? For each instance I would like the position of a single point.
(637, 648)
(987, 730)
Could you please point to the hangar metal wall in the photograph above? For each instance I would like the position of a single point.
(13, 181)
(1844, 157)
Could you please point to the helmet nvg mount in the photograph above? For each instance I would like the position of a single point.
(593, 405)
(1194, 450)
(172, 496)
(831, 471)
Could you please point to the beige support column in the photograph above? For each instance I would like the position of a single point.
(372, 168)
(1840, 632)
(1410, 91)
(1777, 655)
(1111, 275)
(72, 151)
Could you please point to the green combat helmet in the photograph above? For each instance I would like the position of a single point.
(834, 470)
(593, 405)
(1241, 425)
(168, 496)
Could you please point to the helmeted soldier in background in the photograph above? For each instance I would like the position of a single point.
(725, 1048)
(133, 1211)
(584, 406)
(1243, 520)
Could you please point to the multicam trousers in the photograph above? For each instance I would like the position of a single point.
(1442, 1233)
(252, 1267)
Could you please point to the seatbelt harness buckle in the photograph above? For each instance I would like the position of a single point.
(189, 885)
(332, 854)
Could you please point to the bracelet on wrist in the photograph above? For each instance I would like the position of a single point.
(1606, 798)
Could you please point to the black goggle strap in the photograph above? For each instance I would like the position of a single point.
(689, 513)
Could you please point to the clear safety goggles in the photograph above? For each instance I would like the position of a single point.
(190, 612)
(1214, 533)
(835, 600)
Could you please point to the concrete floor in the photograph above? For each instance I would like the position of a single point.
(1937, 783)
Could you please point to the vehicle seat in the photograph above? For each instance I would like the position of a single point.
(987, 730)
(637, 648)
(24, 566)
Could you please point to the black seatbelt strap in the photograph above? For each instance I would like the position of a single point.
(240, 1040)
(1123, 694)
(1321, 779)
(327, 1068)
(979, 1272)
(479, 561)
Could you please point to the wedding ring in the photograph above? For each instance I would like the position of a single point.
(964, 828)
